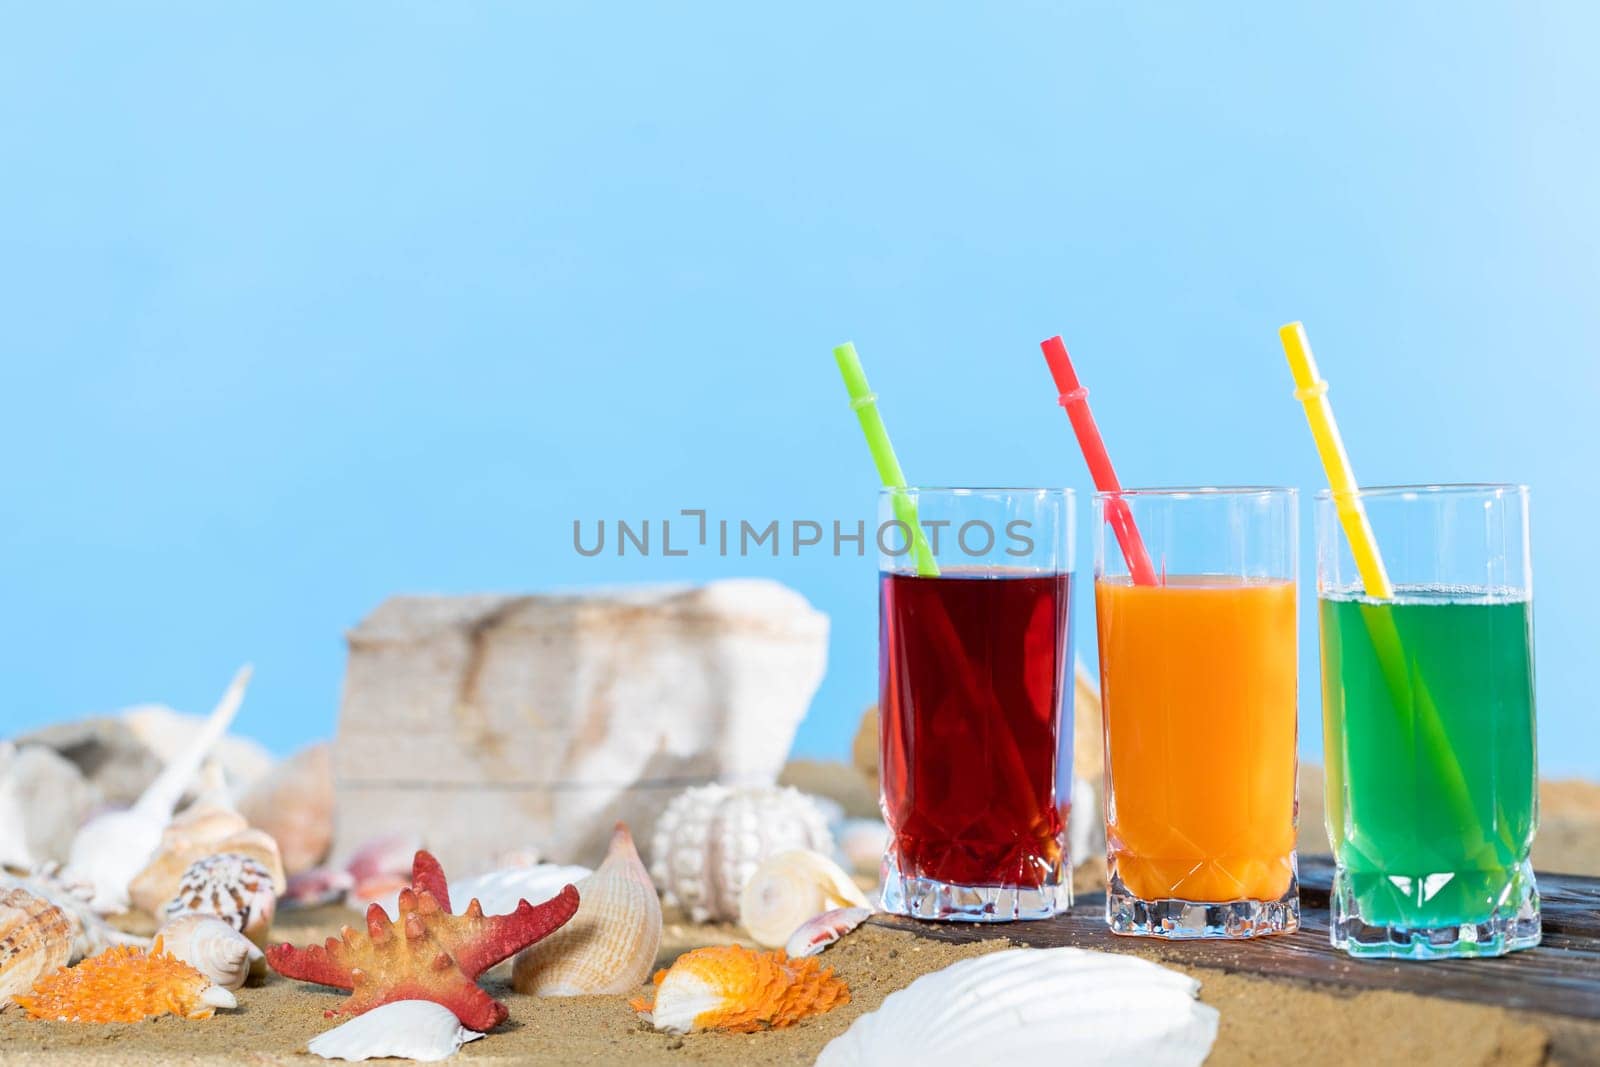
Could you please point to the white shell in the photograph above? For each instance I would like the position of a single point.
(711, 838)
(610, 945)
(92, 935)
(112, 848)
(788, 889)
(818, 933)
(211, 947)
(1061, 1005)
(43, 799)
(407, 1029)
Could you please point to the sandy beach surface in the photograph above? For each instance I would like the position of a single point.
(1263, 1022)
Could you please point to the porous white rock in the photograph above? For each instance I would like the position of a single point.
(483, 721)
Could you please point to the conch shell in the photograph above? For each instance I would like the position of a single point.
(711, 838)
(727, 987)
(403, 1029)
(234, 888)
(197, 833)
(35, 939)
(211, 947)
(790, 888)
(1061, 1005)
(124, 985)
(610, 944)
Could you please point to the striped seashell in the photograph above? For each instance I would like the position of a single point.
(35, 940)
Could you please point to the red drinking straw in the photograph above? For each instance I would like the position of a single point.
(1075, 398)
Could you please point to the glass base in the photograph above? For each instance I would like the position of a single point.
(1190, 920)
(927, 898)
(1513, 925)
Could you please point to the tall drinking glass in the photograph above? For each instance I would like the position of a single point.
(975, 679)
(1428, 724)
(1197, 677)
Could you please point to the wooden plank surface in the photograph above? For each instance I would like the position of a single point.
(1561, 976)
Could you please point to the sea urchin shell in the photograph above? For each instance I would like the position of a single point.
(123, 985)
(426, 954)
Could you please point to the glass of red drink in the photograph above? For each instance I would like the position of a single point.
(975, 699)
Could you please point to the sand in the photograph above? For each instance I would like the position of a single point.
(1263, 1022)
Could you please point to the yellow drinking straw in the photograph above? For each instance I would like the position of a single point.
(1312, 392)
(1408, 697)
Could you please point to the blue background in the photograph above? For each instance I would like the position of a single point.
(304, 305)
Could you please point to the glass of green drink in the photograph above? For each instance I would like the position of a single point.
(1428, 724)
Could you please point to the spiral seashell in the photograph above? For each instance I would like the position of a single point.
(711, 838)
(818, 933)
(211, 947)
(186, 842)
(35, 939)
(1061, 1005)
(610, 944)
(790, 888)
(405, 1029)
(232, 887)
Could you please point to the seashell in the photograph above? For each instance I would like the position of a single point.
(1062, 1005)
(35, 938)
(610, 944)
(294, 803)
(110, 849)
(318, 886)
(124, 985)
(388, 855)
(232, 887)
(790, 888)
(211, 947)
(183, 847)
(91, 935)
(711, 838)
(728, 987)
(818, 933)
(43, 799)
(404, 1029)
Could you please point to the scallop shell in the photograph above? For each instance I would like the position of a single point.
(1062, 1005)
(35, 939)
(232, 887)
(406, 1029)
(294, 803)
(211, 947)
(187, 841)
(610, 944)
(729, 987)
(711, 838)
(818, 933)
(91, 935)
(790, 888)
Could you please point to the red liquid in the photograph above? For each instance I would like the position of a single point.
(977, 762)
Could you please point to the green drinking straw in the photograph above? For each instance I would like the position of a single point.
(865, 403)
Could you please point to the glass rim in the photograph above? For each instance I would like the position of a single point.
(1199, 490)
(965, 490)
(1432, 489)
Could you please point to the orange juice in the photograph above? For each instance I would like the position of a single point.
(1198, 685)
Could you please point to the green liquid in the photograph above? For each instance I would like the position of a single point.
(1429, 739)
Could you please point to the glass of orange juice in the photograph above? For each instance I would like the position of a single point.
(1197, 676)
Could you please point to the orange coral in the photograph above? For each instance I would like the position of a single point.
(746, 991)
(124, 985)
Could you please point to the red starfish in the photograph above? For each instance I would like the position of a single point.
(428, 953)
